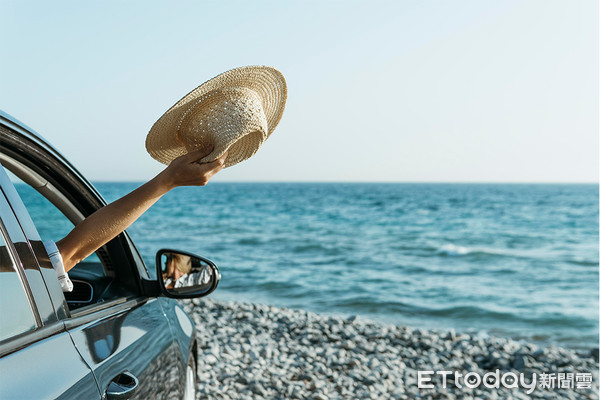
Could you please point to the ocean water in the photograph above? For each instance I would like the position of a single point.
(513, 260)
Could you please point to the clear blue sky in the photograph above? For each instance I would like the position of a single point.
(418, 90)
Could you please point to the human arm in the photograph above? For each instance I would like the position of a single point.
(109, 221)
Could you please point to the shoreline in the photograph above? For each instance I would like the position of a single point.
(540, 340)
(258, 351)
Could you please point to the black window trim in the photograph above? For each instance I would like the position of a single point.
(103, 310)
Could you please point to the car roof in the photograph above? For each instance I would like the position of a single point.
(22, 130)
(28, 132)
(15, 121)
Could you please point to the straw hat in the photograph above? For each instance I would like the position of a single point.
(235, 112)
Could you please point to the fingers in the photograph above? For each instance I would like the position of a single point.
(216, 164)
(199, 154)
(208, 170)
(184, 172)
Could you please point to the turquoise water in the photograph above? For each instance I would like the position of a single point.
(512, 260)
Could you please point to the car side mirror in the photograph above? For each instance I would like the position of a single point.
(185, 275)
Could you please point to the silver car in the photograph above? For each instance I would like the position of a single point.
(119, 334)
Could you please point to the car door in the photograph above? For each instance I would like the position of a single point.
(122, 335)
(132, 342)
(38, 359)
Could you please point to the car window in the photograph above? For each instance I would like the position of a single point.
(16, 315)
(50, 223)
(94, 279)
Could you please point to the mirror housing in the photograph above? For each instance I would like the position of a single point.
(184, 275)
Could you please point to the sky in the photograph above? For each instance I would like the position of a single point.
(378, 91)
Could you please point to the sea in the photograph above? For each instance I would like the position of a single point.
(512, 260)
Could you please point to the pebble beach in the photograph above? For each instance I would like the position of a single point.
(250, 351)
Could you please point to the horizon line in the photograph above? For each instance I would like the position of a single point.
(385, 182)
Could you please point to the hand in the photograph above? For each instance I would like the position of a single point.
(187, 171)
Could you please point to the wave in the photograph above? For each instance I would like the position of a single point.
(583, 262)
(249, 241)
(452, 250)
(317, 248)
(462, 313)
(271, 286)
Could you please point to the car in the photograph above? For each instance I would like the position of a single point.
(120, 333)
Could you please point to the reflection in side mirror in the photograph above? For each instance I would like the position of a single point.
(185, 275)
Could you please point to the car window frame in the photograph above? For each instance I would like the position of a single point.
(29, 149)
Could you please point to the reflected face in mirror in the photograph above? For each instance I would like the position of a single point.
(177, 266)
(187, 274)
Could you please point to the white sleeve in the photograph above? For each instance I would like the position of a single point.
(57, 263)
(181, 282)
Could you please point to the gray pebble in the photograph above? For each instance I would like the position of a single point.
(519, 363)
(594, 354)
(249, 351)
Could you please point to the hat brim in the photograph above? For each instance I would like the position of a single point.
(269, 85)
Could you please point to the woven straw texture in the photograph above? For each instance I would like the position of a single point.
(235, 112)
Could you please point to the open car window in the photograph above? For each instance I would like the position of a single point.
(95, 280)
(49, 221)
(54, 198)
